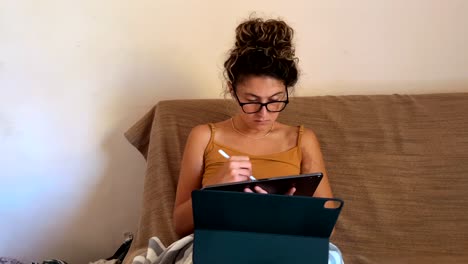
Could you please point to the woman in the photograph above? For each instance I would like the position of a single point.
(260, 72)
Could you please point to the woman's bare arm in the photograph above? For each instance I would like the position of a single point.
(312, 161)
(190, 178)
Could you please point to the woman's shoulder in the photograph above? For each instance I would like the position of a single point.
(200, 133)
(309, 133)
(309, 141)
(204, 131)
(308, 138)
(288, 129)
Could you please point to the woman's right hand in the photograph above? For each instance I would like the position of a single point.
(235, 169)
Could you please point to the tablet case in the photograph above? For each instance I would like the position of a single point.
(233, 227)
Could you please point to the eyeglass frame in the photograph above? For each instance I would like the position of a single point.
(286, 102)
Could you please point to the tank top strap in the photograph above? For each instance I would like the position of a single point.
(299, 138)
(299, 135)
(209, 146)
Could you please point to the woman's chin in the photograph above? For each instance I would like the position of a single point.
(261, 123)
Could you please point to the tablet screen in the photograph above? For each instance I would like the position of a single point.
(305, 184)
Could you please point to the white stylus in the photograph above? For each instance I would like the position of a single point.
(224, 154)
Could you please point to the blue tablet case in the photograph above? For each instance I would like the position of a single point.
(233, 227)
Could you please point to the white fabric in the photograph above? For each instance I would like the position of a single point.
(180, 252)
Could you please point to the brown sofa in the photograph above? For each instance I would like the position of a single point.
(400, 163)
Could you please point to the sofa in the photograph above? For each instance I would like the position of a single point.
(400, 163)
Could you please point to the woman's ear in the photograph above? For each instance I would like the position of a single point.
(231, 89)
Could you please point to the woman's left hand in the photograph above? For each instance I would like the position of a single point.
(258, 189)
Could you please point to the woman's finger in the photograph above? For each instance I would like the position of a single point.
(240, 164)
(239, 158)
(291, 191)
(248, 190)
(258, 189)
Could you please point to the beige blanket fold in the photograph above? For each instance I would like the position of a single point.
(160, 136)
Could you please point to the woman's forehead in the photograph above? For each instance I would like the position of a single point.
(261, 86)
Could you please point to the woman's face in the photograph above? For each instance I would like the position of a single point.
(260, 89)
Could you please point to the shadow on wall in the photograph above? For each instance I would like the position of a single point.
(113, 205)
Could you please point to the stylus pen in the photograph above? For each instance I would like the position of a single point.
(224, 154)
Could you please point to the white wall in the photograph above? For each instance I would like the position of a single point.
(74, 75)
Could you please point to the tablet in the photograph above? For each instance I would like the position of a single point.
(305, 184)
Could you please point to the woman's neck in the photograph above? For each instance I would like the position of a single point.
(239, 127)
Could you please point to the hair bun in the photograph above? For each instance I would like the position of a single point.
(274, 37)
(262, 48)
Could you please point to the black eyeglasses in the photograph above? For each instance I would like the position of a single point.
(272, 106)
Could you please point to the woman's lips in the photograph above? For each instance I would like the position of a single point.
(261, 121)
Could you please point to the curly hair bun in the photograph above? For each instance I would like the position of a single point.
(262, 48)
(274, 36)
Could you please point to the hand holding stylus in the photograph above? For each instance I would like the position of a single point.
(224, 154)
(235, 169)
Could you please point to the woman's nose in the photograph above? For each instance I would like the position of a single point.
(263, 111)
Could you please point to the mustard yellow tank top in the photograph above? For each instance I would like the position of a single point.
(265, 166)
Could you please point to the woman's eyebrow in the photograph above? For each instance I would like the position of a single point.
(278, 93)
(254, 95)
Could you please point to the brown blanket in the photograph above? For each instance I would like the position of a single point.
(400, 162)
